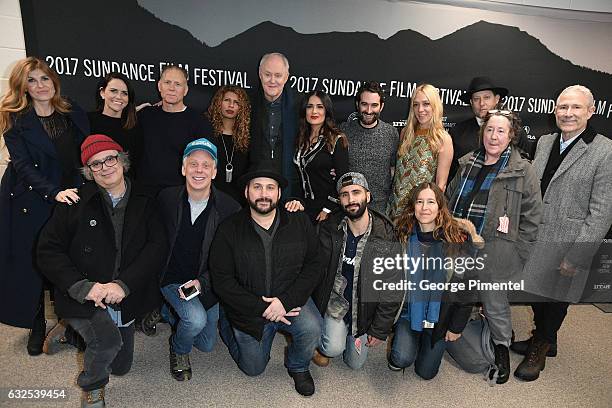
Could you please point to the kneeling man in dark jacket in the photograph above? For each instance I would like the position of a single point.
(101, 253)
(356, 317)
(264, 266)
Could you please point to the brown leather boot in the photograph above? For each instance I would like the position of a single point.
(534, 361)
(319, 359)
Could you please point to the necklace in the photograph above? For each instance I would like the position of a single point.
(229, 167)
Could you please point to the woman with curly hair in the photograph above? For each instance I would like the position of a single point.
(425, 152)
(230, 115)
(43, 132)
(429, 318)
(321, 155)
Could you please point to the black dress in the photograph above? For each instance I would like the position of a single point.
(129, 139)
(227, 153)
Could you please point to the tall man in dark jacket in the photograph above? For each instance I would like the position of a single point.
(274, 121)
(264, 267)
(101, 254)
(354, 319)
(482, 96)
(191, 214)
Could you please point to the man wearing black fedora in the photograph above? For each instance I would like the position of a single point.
(482, 95)
(264, 269)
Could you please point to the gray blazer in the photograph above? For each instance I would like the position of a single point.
(577, 213)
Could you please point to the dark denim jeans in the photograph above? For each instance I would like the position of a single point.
(193, 325)
(252, 356)
(411, 346)
(109, 349)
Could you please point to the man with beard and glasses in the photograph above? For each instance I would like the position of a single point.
(373, 143)
(355, 318)
(265, 265)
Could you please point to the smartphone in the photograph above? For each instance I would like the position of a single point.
(189, 292)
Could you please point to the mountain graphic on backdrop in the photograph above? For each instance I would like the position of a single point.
(129, 33)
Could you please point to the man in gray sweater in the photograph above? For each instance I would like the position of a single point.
(372, 144)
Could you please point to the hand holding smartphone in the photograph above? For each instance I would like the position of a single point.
(189, 291)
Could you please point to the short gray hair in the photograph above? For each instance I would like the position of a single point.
(124, 159)
(579, 88)
(274, 54)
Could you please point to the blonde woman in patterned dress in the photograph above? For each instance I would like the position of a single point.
(426, 149)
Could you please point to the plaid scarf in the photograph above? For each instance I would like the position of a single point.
(476, 210)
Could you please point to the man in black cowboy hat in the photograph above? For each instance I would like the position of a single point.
(264, 269)
(482, 95)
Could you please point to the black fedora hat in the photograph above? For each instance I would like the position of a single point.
(482, 84)
(263, 169)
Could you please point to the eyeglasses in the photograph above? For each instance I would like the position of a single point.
(110, 161)
(500, 112)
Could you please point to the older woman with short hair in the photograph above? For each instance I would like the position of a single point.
(499, 192)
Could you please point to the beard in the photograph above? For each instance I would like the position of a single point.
(368, 119)
(355, 213)
(268, 210)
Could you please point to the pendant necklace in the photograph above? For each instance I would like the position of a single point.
(229, 167)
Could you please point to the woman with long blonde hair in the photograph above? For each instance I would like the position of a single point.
(425, 152)
(43, 132)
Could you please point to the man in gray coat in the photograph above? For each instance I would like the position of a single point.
(576, 182)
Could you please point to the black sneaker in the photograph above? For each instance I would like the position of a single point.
(180, 366)
(502, 361)
(304, 384)
(148, 323)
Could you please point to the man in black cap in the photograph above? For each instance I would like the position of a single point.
(264, 269)
(482, 95)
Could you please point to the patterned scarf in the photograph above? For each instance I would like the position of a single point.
(476, 210)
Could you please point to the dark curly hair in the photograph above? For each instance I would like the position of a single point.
(243, 119)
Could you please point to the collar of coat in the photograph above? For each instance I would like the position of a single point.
(587, 136)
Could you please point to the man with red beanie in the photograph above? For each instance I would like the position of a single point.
(101, 253)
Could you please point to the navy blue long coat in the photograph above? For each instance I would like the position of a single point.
(27, 195)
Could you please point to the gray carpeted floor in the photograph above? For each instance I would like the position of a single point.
(581, 376)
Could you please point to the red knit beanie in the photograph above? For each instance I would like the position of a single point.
(95, 144)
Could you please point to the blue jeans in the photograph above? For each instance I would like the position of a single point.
(336, 340)
(193, 325)
(252, 355)
(411, 346)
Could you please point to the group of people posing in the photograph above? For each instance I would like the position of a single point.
(262, 215)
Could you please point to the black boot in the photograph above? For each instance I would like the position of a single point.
(534, 361)
(502, 361)
(520, 347)
(37, 334)
(304, 384)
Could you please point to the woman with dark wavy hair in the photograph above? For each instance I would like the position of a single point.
(115, 114)
(429, 318)
(43, 132)
(230, 115)
(321, 155)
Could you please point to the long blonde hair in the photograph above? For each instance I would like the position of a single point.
(16, 100)
(436, 131)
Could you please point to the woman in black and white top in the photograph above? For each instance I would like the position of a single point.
(321, 155)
